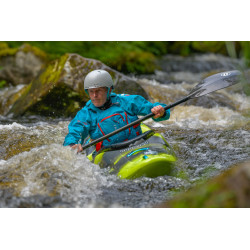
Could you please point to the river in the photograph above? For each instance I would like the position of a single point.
(208, 135)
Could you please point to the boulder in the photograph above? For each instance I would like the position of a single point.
(230, 189)
(58, 90)
(20, 65)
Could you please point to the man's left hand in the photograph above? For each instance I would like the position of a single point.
(159, 111)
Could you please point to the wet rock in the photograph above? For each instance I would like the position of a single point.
(20, 65)
(58, 90)
(8, 200)
(198, 63)
(191, 69)
(77, 67)
(37, 89)
(230, 189)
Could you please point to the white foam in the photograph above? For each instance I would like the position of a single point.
(70, 174)
(14, 125)
(198, 117)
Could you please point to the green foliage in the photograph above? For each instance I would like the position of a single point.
(182, 48)
(3, 45)
(130, 56)
(245, 52)
(210, 46)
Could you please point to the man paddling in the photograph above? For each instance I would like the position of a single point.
(107, 111)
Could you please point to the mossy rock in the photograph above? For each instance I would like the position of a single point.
(39, 87)
(229, 190)
(8, 52)
(77, 67)
(59, 89)
(61, 102)
(21, 65)
(9, 99)
(26, 48)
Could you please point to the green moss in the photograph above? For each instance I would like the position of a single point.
(2, 83)
(3, 46)
(210, 46)
(199, 197)
(60, 102)
(53, 71)
(228, 190)
(8, 52)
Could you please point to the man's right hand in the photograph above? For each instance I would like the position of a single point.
(78, 147)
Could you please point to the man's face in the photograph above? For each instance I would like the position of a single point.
(98, 96)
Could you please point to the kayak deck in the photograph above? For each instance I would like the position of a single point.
(148, 157)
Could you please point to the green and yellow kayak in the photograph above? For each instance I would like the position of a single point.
(146, 155)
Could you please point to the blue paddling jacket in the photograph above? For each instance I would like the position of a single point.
(96, 122)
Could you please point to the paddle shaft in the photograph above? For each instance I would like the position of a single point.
(133, 123)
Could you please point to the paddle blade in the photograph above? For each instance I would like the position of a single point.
(216, 82)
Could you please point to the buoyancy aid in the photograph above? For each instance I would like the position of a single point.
(96, 122)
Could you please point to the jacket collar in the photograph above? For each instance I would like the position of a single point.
(91, 106)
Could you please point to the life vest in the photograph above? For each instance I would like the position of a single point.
(95, 122)
(112, 119)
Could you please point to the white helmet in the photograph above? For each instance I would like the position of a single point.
(98, 78)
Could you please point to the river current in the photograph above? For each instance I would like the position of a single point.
(208, 135)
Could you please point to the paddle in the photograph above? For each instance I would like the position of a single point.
(206, 86)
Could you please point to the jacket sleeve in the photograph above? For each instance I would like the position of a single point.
(140, 106)
(78, 128)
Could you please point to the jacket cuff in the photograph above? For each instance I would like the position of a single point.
(164, 117)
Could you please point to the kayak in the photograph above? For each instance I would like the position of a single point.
(147, 155)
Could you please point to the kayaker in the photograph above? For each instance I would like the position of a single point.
(107, 111)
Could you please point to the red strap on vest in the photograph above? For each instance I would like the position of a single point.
(98, 146)
(136, 125)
